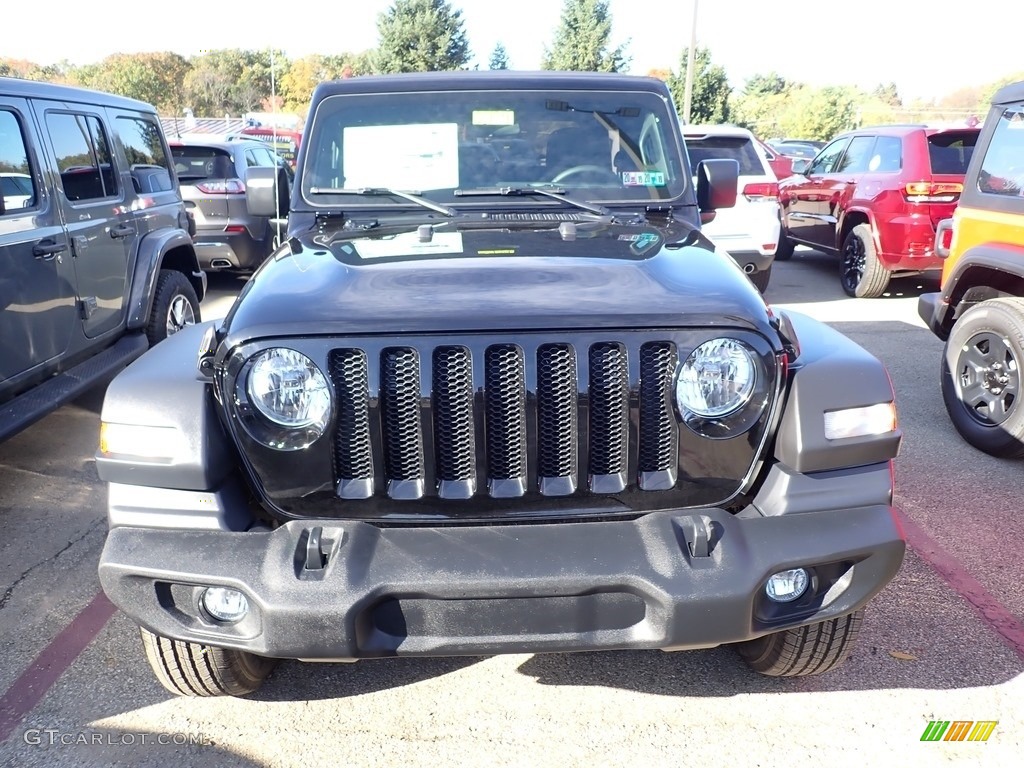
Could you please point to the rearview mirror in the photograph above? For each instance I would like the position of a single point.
(267, 192)
(717, 182)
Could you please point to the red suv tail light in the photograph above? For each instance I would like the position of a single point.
(769, 191)
(222, 187)
(933, 192)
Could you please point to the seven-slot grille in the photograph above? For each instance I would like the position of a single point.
(549, 418)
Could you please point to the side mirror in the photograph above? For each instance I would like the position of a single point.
(801, 165)
(267, 192)
(717, 183)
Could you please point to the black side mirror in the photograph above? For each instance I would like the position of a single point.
(717, 183)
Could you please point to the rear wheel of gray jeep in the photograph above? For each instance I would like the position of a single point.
(809, 650)
(191, 669)
(175, 306)
(863, 276)
(981, 377)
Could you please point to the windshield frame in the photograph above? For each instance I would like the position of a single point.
(678, 190)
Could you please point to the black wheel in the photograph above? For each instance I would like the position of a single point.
(809, 650)
(760, 279)
(175, 306)
(191, 669)
(981, 377)
(786, 246)
(861, 273)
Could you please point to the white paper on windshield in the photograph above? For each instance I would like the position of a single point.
(417, 157)
(408, 244)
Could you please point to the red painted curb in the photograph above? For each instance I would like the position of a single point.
(992, 612)
(27, 691)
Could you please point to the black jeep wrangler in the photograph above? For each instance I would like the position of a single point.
(96, 259)
(497, 394)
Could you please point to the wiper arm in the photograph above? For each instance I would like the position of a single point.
(411, 195)
(555, 193)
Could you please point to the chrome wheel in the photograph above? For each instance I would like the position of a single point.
(179, 314)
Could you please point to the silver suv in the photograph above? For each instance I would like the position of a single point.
(211, 173)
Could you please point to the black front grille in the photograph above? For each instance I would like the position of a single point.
(505, 419)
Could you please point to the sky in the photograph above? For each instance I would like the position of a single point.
(927, 47)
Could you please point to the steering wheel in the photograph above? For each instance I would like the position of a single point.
(577, 169)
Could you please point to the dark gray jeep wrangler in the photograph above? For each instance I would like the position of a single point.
(497, 394)
(96, 259)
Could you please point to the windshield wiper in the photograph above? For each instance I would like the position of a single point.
(411, 195)
(555, 193)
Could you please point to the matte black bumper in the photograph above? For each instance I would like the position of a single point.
(502, 589)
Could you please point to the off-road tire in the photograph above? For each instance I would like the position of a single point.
(173, 292)
(861, 274)
(191, 669)
(760, 279)
(784, 251)
(990, 331)
(802, 651)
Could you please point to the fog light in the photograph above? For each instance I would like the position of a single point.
(787, 586)
(224, 604)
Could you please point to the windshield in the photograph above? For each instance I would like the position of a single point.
(605, 146)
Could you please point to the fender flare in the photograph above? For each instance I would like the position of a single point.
(149, 261)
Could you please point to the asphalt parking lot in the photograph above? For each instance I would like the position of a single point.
(944, 641)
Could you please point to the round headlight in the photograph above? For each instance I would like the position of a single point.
(717, 379)
(288, 389)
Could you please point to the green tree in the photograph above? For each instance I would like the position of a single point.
(709, 101)
(499, 58)
(156, 78)
(421, 36)
(771, 84)
(888, 94)
(819, 113)
(232, 80)
(582, 40)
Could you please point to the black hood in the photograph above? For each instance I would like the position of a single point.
(480, 275)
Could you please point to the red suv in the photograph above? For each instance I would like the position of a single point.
(874, 196)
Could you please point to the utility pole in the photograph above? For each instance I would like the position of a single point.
(690, 61)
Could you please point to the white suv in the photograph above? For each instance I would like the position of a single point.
(750, 230)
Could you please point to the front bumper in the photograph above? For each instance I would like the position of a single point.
(672, 580)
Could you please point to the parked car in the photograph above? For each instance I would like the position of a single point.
(96, 261)
(874, 197)
(794, 149)
(512, 405)
(782, 165)
(212, 177)
(749, 231)
(17, 190)
(979, 311)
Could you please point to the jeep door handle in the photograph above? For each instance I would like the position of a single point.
(47, 250)
(121, 230)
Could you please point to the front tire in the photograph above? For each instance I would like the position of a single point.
(981, 377)
(809, 650)
(175, 306)
(862, 275)
(191, 669)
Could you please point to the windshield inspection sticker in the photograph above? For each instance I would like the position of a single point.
(494, 117)
(643, 179)
(419, 156)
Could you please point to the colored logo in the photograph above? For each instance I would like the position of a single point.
(959, 730)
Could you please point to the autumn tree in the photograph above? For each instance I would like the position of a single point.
(582, 40)
(156, 78)
(709, 102)
(232, 80)
(304, 75)
(499, 58)
(421, 36)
